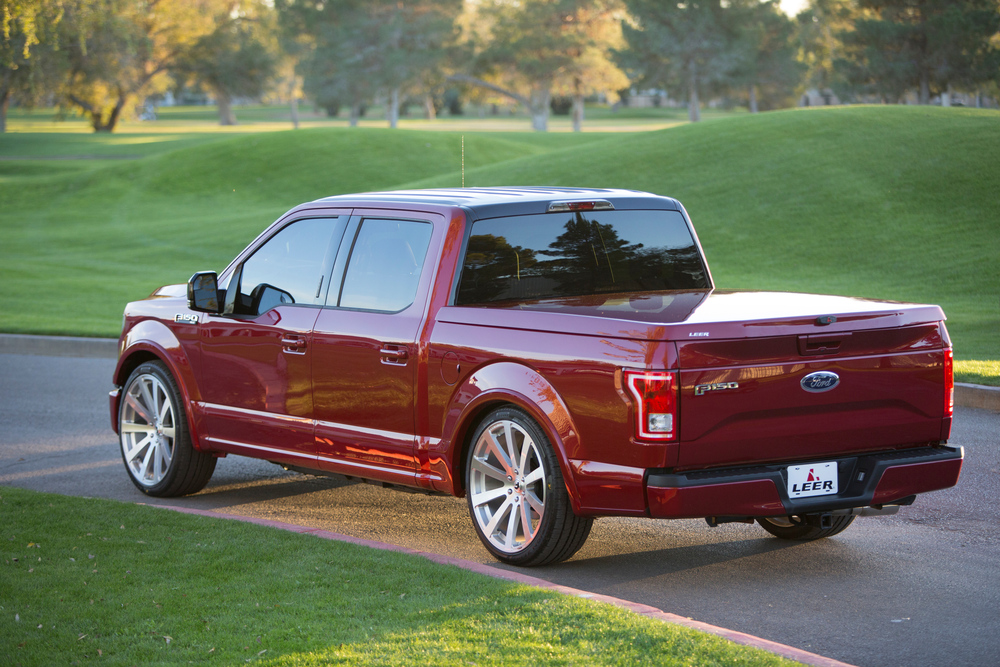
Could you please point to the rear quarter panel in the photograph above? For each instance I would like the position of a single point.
(571, 385)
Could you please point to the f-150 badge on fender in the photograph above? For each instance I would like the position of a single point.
(820, 381)
(186, 318)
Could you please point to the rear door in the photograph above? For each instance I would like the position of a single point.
(364, 350)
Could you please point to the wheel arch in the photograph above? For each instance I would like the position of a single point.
(517, 385)
(151, 340)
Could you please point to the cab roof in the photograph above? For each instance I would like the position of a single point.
(494, 202)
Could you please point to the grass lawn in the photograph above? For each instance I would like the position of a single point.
(88, 581)
(885, 202)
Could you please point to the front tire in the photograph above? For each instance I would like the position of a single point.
(517, 498)
(155, 441)
(795, 528)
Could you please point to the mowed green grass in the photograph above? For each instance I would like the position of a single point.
(86, 581)
(885, 202)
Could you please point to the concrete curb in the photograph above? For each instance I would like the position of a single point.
(790, 652)
(977, 396)
(966, 395)
(59, 346)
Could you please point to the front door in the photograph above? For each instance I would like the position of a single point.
(256, 358)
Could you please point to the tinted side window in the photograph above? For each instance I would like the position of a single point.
(290, 267)
(596, 252)
(385, 263)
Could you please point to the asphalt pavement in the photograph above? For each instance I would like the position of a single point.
(920, 588)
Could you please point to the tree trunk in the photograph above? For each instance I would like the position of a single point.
(225, 104)
(753, 98)
(293, 99)
(5, 100)
(109, 126)
(4, 104)
(355, 114)
(540, 99)
(946, 97)
(578, 112)
(694, 106)
(577, 104)
(429, 107)
(393, 108)
(925, 89)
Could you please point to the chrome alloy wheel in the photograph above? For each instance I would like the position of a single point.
(148, 419)
(507, 486)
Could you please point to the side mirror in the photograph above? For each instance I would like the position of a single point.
(203, 292)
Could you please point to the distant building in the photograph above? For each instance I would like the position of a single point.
(818, 98)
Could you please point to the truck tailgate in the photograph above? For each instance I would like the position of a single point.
(745, 400)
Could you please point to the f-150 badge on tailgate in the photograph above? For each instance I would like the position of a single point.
(700, 389)
(820, 381)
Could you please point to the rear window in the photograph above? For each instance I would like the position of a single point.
(532, 257)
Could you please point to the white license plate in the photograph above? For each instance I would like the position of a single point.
(812, 479)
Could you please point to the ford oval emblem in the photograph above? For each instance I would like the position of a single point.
(820, 381)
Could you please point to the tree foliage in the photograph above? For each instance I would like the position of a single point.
(900, 45)
(529, 48)
(820, 27)
(118, 50)
(237, 59)
(680, 45)
(765, 63)
(30, 59)
(98, 57)
(352, 51)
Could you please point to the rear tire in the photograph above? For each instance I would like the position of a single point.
(155, 441)
(795, 528)
(517, 497)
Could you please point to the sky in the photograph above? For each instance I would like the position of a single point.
(792, 7)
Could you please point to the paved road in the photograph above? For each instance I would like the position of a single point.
(920, 588)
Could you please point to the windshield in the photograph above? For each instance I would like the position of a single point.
(533, 257)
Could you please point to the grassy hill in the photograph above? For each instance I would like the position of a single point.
(885, 202)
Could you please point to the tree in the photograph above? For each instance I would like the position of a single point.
(357, 50)
(30, 60)
(592, 36)
(929, 45)
(531, 47)
(766, 63)
(820, 26)
(121, 49)
(685, 45)
(237, 59)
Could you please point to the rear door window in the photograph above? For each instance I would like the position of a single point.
(385, 264)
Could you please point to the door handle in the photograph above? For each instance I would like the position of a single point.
(293, 344)
(394, 354)
(822, 344)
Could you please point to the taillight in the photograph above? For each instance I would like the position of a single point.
(654, 394)
(949, 383)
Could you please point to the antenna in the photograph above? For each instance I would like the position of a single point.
(463, 160)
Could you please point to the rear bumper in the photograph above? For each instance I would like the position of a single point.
(884, 478)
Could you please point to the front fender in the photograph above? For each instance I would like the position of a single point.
(151, 340)
(515, 384)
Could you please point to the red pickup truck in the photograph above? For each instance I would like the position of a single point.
(552, 354)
